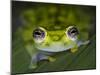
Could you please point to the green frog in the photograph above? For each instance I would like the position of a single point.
(43, 40)
(45, 43)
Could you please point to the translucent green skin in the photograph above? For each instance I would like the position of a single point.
(56, 39)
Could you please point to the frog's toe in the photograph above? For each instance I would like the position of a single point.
(33, 66)
(86, 42)
(51, 59)
(73, 50)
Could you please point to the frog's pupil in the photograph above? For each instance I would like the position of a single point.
(38, 34)
(72, 32)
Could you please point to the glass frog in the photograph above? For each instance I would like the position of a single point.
(47, 37)
(44, 43)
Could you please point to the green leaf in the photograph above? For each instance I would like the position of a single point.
(84, 58)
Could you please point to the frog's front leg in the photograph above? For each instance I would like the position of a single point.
(33, 63)
(36, 58)
(75, 48)
(33, 54)
(40, 56)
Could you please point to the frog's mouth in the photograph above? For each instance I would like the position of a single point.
(59, 47)
(56, 47)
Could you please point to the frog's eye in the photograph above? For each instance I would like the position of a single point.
(39, 34)
(72, 32)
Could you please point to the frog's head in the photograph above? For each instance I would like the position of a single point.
(52, 33)
(55, 41)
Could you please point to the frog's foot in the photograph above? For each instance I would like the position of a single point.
(83, 43)
(33, 63)
(73, 50)
(86, 42)
(33, 66)
(41, 56)
(51, 59)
